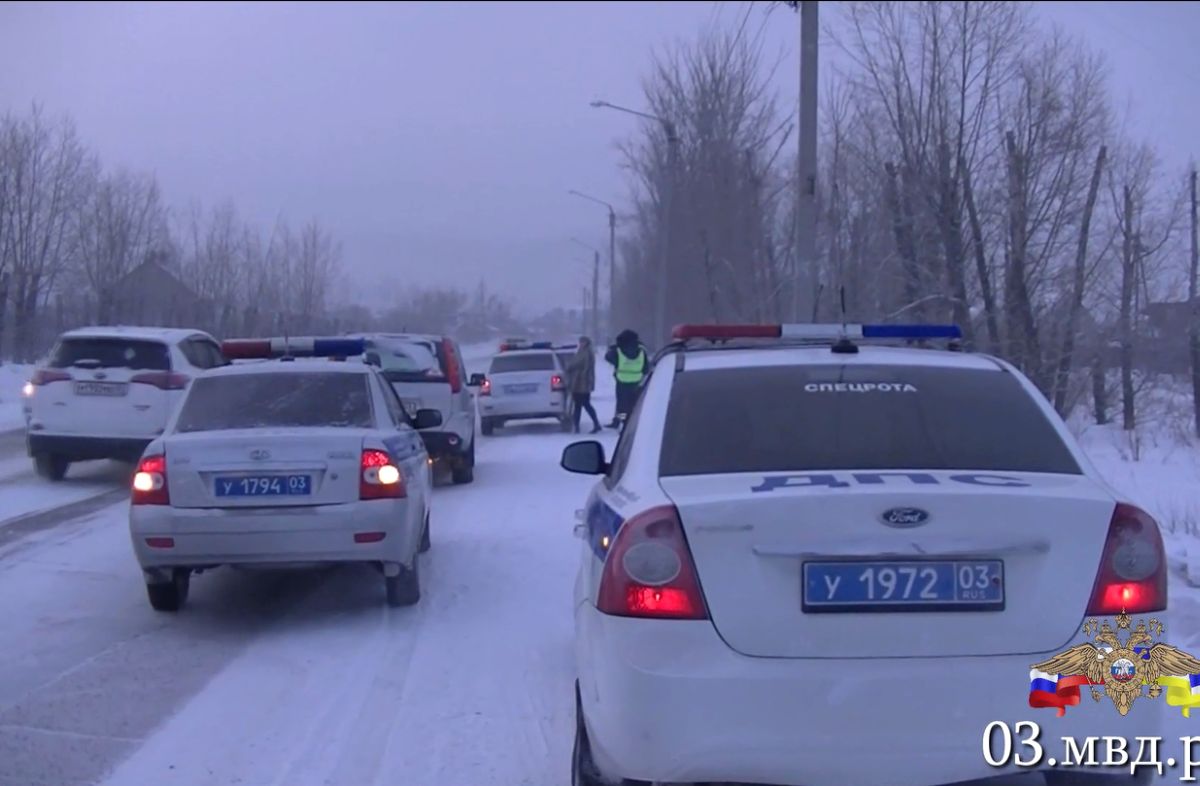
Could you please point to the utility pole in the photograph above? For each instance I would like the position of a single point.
(668, 199)
(612, 275)
(804, 305)
(596, 298)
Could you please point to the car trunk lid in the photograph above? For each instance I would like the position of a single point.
(264, 467)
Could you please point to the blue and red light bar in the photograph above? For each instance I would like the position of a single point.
(262, 348)
(816, 331)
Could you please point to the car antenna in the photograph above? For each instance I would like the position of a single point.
(844, 345)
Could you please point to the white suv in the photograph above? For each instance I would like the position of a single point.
(106, 392)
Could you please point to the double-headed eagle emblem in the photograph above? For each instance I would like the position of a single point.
(1125, 668)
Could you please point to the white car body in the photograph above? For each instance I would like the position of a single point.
(523, 384)
(331, 512)
(80, 408)
(428, 372)
(758, 688)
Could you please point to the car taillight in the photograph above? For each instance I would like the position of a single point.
(649, 571)
(44, 376)
(486, 388)
(150, 482)
(556, 382)
(1133, 568)
(380, 478)
(453, 372)
(163, 380)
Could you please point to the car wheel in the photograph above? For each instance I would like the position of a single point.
(463, 473)
(404, 589)
(51, 466)
(1082, 778)
(583, 770)
(487, 426)
(425, 543)
(567, 423)
(170, 595)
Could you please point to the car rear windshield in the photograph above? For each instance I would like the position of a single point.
(276, 400)
(524, 361)
(111, 353)
(789, 418)
(407, 361)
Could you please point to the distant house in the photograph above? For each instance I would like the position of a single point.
(150, 294)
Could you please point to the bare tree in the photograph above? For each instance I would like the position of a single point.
(122, 222)
(46, 176)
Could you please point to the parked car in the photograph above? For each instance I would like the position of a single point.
(428, 372)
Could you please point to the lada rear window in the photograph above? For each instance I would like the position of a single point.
(292, 400)
(525, 361)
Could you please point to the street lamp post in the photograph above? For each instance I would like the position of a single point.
(612, 259)
(595, 288)
(660, 304)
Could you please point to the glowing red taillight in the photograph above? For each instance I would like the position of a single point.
(160, 543)
(380, 478)
(556, 382)
(150, 482)
(649, 571)
(44, 376)
(485, 389)
(1133, 568)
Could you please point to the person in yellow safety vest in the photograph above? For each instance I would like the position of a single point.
(631, 364)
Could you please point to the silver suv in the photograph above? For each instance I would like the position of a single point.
(427, 372)
(523, 384)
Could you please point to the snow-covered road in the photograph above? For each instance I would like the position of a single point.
(305, 679)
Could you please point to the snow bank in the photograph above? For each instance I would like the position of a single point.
(12, 378)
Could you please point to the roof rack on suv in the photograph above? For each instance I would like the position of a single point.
(840, 338)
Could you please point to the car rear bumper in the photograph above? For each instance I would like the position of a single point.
(443, 444)
(522, 408)
(669, 701)
(325, 534)
(79, 448)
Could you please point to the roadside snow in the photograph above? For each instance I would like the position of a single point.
(13, 377)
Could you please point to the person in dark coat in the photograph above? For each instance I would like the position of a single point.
(631, 365)
(581, 375)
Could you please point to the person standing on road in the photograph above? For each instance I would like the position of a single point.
(581, 375)
(630, 364)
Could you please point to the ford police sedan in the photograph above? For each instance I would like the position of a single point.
(818, 561)
(284, 462)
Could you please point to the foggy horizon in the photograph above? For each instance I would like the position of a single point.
(437, 143)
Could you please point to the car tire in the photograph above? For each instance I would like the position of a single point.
(404, 589)
(170, 595)
(567, 423)
(1082, 778)
(464, 468)
(487, 426)
(583, 770)
(426, 544)
(51, 466)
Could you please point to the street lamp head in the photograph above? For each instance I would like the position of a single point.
(598, 102)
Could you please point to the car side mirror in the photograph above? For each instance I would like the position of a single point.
(585, 458)
(476, 380)
(427, 418)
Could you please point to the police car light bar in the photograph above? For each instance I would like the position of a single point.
(260, 348)
(815, 331)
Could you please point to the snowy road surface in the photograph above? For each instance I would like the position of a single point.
(301, 679)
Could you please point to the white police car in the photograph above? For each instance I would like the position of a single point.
(284, 462)
(818, 562)
(525, 381)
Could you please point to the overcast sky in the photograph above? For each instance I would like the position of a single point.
(438, 141)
